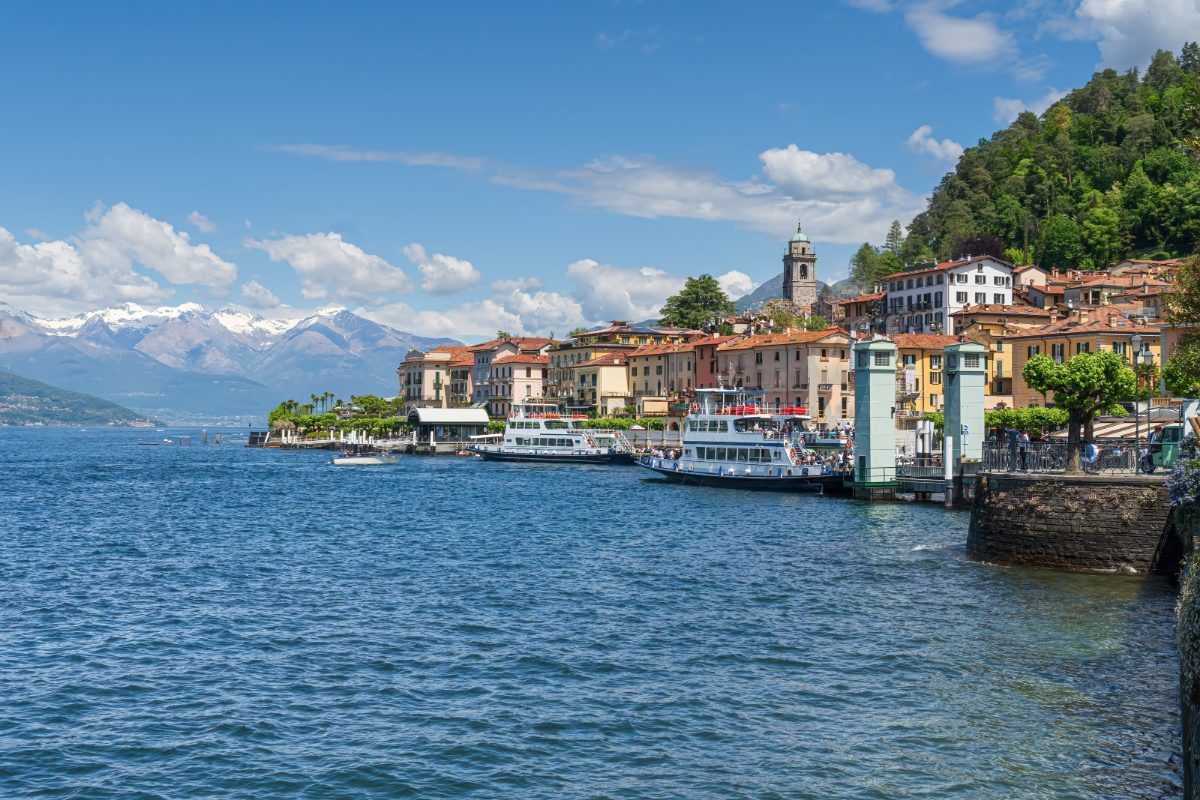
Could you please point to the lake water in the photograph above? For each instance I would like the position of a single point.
(222, 622)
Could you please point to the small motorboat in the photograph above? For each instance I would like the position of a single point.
(364, 457)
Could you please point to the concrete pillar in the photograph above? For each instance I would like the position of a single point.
(964, 373)
(874, 411)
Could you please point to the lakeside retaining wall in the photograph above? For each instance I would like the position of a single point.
(1078, 522)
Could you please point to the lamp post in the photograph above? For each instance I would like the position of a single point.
(1136, 340)
(1148, 362)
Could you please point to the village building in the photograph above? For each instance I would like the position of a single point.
(660, 373)
(515, 378)
(485, 353)
(920, 385)
(990, 325)
(426, 378)
(602, 384)
(800, 271)
(706, 371)
(807, 368)
(864, 313)
(1067, 337)
(922, 300)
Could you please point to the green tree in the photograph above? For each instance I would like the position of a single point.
(1102, 236)
(895, 238)
(1085, 385)
(1060, 247)
(700, 302)
(503, 335)
(864, 267)
(578, 332)
(816, 323)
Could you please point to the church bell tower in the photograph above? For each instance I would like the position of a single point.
(800, 270)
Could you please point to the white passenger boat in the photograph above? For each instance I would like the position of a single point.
(540, 432)
(733, 439)
(364, 457)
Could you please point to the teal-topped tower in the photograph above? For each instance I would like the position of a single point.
(874, 418)
(964, 372)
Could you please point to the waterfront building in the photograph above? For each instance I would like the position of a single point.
(485, 353)
(513, 379)
(864, 313)
(1067, 337)
(659, 373)
(427, 378)
(803, 368)
(601, 385)
(450, 427)
(704, 360)
(922, 300)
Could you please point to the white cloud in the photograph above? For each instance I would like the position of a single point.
(1129, 31)
(39, 234)
(341, 152)
(921, 141)
(974, 40)
(878, 6)
(258, 296)
(736, 283)
(442, 274)
(330, 267)
(119, 236)
(53, 278)
(606, 292)
(808, 174)
(1006, 109)
(647, 40)
(201, 222)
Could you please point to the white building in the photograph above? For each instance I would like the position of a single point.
(922, 300)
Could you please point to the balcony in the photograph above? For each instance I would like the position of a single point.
(824, 387)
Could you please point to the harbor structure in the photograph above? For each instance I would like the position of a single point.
(965, 382)
(874, 424)
(445, 430)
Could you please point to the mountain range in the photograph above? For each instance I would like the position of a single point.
(188, 364)
(27, 402)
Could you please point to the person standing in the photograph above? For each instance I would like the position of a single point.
(1023, 450)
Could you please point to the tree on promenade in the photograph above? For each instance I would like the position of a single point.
(1087, 384)
(699, 302)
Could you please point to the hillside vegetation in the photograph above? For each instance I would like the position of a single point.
(28, 402)
(1108, 172)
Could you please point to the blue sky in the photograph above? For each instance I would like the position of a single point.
(452, 168)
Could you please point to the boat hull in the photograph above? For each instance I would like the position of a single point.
(794, 483)
(552, 458)
(365, 461)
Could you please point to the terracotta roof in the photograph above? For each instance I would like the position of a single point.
(717, 340)
(770, 339)
(661, 349)
(522, 343)
(864, 298)
(1027, 267)
(607, 360)
(1105, 279)
(998, 308)
(1072, 327)
(521, 358)
(922, 341)
(942, 267)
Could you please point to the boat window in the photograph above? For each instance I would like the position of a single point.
(720, 454)
(556, 424)
(741, 454)
(576, 424)
(724, 426)
(687, 452)
(775, 454)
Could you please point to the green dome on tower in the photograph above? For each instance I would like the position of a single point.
(799, 236)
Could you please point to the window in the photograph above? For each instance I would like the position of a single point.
(998, 299)
(960, 297)
(824, 353)
(861, 363)
(999, 367)
(935, 377)
(844, 406)
(980, 298)
(961, 278)
(909, 359)
(998, 345)
(920, 282)
(658, 369)
(776, 355)
(937, 300)
(1056, 352)
(882, 359)
(933, 400)
(935, 362)
(527, 372)
(1034, 349)
(910, 283)
(939, 280)
(971, 360)
(981, 279)
(998, 280)
(1083, 347)
(1120, 348)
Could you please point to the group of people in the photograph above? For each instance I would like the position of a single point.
(1089, 453)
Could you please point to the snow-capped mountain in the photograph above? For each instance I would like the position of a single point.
(184, 361)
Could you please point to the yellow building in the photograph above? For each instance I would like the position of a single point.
(919, 386)
(661, 370)
(990, 325)
(602, 384)
(1063, 339)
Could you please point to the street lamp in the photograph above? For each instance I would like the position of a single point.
(1136, 340)
(1148, 363)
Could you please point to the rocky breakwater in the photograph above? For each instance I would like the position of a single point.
(1074, 522)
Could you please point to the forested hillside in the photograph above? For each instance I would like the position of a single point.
(1111, 171)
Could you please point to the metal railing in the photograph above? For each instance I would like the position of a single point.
(1112, 457)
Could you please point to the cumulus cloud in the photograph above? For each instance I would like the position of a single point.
(117, 237)
(736, 283)
(442, 274)
(607, 292)
(921, 141)
(201, 222)
(962, 40)
(54, 278)
(1130, 31)
(258, 296)
(840, 198)
(329, 267)
(1006, 109)
(39, 234)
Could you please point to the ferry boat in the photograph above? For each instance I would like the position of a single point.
(540, 432)
(733, 439)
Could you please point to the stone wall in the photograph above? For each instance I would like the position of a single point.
(1088, 523)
